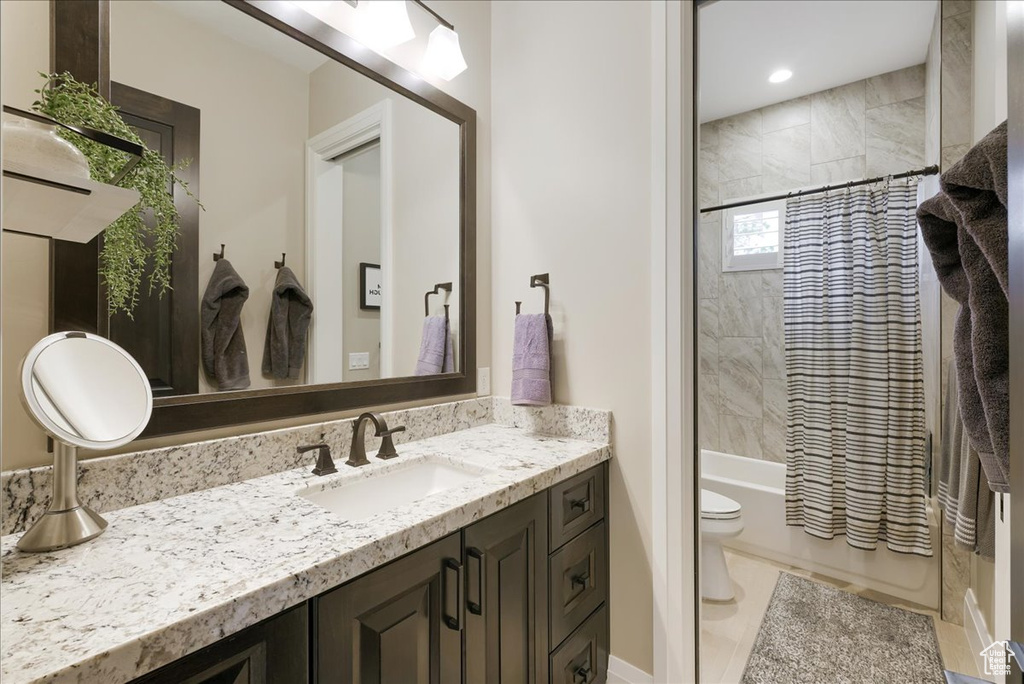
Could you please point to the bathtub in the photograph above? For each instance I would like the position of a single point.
(760, 488)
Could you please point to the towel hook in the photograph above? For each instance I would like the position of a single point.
(218, 257)
(543, 281)
(447, 287)
(280, 264)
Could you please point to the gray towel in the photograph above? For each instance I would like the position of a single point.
(223, 344)
(965, 229)
(290, 310)
(436, 348)
(531, 360)
(966, 500)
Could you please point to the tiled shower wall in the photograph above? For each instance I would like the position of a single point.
(868, 128)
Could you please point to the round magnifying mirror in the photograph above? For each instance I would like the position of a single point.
(84, 391)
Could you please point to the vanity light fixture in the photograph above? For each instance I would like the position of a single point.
(780, 76)
(384, 23)
(444, 55)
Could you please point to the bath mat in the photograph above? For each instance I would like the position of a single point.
(813, 633)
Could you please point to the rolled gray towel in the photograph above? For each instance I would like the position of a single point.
(222, 342)
(965, 228)
(284, 349)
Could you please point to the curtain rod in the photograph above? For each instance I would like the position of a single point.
(927, 171)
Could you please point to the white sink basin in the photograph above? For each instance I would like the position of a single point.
(390, 489)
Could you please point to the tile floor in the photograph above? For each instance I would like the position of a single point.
(728, 629)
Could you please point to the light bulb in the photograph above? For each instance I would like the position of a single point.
(384, 23)
(444, 56)
(780, 76)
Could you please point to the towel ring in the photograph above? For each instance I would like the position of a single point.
(218, 257)
(447, 287)
(540, 280)
(280, 264)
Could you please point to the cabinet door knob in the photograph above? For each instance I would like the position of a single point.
(582, 504)
(582, 673)
(581, 579)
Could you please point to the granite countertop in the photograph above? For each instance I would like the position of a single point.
(172, 576)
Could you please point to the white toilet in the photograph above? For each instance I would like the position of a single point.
(720, 518)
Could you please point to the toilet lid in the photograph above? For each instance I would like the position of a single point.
(714, 506)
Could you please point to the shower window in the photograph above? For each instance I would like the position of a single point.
(752, 236)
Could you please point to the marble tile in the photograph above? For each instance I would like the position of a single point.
(771, 282)
(895, 137)
(952, 154)
(895, 86)
(786, 159)
(957, 66)
(708, 337)
(709, 265)
(169, 577)
(773, 440)
(739, 308)
(708, 412)
(707, 165)
(774, 349)
(837, 123)
(951, 8)
(709, 134)
(739, 146)
(740, 436)
(739, 377)
(786, 114)
(741, 188)
(838, 171)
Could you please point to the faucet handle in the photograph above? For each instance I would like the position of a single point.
(324, 462)
(387, 445)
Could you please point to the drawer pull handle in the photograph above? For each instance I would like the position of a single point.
(582, 673)
(582, 504)
(581, 579)
(452, 621)
(476, 607)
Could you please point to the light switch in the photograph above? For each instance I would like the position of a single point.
(483, 382)
(359, 361)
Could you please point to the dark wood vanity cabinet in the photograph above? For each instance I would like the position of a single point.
(507, 595)
(519, 597)
(399, 623)
(275, 650)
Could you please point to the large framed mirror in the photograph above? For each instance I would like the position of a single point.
(337, 190)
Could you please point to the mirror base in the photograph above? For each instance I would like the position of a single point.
(61, 529)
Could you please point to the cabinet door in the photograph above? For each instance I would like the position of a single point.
(400, 624)
(275, 650)
(507, 595)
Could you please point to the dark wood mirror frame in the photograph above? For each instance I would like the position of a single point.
(80, 32)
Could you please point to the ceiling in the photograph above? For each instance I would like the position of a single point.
(824, 43)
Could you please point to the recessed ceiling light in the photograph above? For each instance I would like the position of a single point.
(780, 76)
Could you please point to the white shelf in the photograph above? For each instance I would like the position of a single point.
(60, 206)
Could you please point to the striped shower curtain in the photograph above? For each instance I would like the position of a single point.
(855, 430)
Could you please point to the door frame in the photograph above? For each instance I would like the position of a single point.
(373, 123)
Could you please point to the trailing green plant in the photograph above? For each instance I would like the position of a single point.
(129, 243)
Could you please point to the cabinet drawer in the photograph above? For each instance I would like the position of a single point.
(583, 658)
(577, 581)
(575, 505)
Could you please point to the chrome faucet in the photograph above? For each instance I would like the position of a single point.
(324, 462)
(357, 454)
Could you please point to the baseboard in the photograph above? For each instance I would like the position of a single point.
(978, 635)
(621, 672)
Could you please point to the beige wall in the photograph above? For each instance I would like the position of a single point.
(572, 196)
(25, 43)
(252, 105)
(361, 243)
(24, 52)
(425, 198)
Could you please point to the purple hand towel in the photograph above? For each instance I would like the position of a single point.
(531, 360)
(436, 348)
